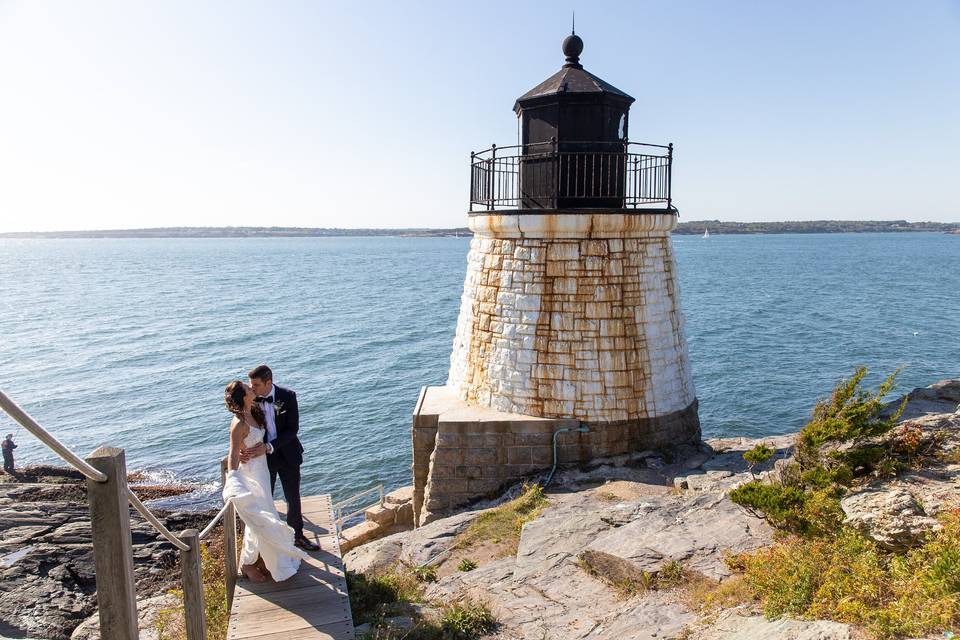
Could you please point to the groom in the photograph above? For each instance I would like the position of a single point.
(281, 445)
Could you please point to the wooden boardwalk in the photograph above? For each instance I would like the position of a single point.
(311, 605)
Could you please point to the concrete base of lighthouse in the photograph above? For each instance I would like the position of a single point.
(462, 452)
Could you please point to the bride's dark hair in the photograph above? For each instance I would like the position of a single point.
(233, 397)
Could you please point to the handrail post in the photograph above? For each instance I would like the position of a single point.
(191, 579)
(555, 164)
(112, 546)
(491, 186)
(473, 170)
(229, 541)
(669, 174)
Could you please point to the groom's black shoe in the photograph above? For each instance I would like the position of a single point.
(301, 542)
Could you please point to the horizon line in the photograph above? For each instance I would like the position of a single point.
(385, 230)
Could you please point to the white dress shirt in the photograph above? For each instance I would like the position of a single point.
(270, 416)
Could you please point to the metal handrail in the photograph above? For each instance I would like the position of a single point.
(570, 174)
(123, 600)
(216, 519)
(14, 410)
(338, 516)
(23, 418)
(624, 145)
(152, 519)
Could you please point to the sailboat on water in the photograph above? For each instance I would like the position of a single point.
(706, 232)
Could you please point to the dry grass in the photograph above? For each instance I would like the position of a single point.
(708, 596)
(627, 580)
(607, 496)
(950, 457)
(848, 578)
(501, 526)
(625, 490)
(170, 623)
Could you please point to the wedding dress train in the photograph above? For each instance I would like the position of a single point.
(265, 535)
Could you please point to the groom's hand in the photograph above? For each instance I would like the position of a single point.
(253, 452)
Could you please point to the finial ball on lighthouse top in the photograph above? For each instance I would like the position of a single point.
(572, 48)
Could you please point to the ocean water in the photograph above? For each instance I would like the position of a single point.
(130, 342)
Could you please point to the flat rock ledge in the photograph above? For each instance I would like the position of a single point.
(632, 515)
(47, 580)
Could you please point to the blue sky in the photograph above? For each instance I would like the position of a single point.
(122, 115)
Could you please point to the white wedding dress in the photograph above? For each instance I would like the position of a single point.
(265, 535)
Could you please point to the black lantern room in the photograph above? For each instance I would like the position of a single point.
(573, 151)
(573, 136)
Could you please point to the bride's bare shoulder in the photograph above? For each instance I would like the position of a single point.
(238, 428)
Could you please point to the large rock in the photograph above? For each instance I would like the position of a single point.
(663, 508)
(899, 513)
(564, 603)
(47, 580)
(696, 531)
(890, 516)
(413, 548)
(726, 469)
(148, 613)
(940, 397)
(736, 627)
(545, 592)
(559, 535)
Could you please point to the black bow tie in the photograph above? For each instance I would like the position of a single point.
(267, 399)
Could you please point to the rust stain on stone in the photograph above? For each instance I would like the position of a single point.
(583, 327)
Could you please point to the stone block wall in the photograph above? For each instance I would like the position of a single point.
(572, 316)
(462, 452)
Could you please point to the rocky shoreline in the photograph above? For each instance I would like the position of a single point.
(633, 516)
(46, 560)
(622, 518)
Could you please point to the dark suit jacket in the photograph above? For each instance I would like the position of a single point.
(287, 450)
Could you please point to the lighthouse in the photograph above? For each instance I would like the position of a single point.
(570, 343)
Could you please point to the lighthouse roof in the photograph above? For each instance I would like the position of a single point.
(572, 79)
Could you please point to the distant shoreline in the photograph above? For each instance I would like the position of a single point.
(695, 227)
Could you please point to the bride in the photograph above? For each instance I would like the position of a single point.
(268, 550)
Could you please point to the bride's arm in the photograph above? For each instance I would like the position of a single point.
(238, 432)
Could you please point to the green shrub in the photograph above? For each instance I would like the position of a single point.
(466, 620)
(758, 455)
(781, 506)
(807, 499)
(466, 565)
(425, 573)
(170, 623)
(671, 575)
(372, 596)
(851, 414)
(826, 570)
(823, 478)
(848, 578)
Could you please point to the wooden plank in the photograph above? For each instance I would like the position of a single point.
(256, 604)
(313, 604)
(322, 568)
(280, 620)
(340, 631)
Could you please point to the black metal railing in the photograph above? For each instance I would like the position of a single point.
(575, 175)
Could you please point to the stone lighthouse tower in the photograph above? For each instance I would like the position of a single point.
(569, 344)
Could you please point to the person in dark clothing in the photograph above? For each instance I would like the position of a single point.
(281, 445)
(8, 447)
